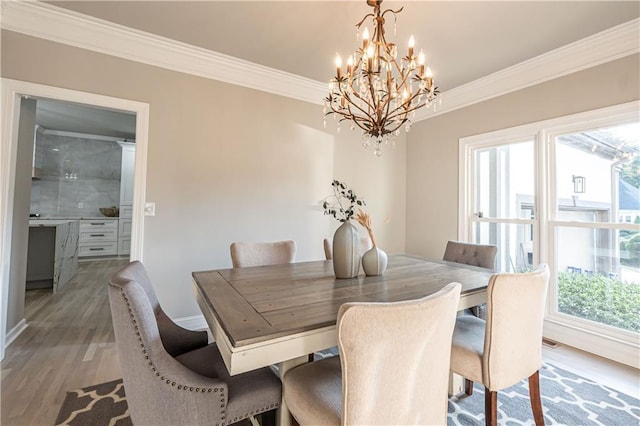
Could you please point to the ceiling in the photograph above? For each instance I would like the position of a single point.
(463, 40)
(78, 118)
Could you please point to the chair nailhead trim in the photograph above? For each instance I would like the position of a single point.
(154, 369)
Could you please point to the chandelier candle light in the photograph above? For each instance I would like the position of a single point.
(378, 92)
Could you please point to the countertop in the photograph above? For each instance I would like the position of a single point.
(74, 218)
(49, 222)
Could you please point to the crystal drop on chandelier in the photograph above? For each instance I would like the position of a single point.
(376, 91)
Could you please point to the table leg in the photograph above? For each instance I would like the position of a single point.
(456, 383)
(283, 417)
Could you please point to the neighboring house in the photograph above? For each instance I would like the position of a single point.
(628, 202)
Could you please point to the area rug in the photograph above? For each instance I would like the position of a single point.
(97, 405)
(567, 399)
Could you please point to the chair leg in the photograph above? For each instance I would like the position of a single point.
(310, 357)
(468, 387)
(490, 407)
(534, 396)
(268, 418)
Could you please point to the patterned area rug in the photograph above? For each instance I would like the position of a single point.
(102, 404)
(567, 399)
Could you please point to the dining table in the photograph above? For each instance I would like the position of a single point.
(277, 315)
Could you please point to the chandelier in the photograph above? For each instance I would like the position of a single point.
(378, 92)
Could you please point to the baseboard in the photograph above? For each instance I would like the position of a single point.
(195, 322)
(616, 350)
(15, 332)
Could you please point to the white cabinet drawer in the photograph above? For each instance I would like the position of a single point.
(98, 225)
(98, 249)
(98, 235)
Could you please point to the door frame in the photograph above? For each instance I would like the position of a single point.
(12, 93)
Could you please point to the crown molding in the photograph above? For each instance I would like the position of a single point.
(64, 26)
(606, 46)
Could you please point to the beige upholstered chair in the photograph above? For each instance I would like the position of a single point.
(261, 254)
(365, 244)
(507, 347)
(482, 255)
(393, 366)
(192, 388)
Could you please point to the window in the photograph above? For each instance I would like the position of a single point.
(565, 192)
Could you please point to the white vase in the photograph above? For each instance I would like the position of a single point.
(374, 261)
(346, 251)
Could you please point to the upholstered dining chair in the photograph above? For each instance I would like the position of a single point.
(262, 253)
(482, 255)
(393, 366)
(175, 339)
(507, 347)
(191, 388)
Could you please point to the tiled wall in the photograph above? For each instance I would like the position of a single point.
(79, 175)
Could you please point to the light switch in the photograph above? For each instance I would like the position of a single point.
(149, 209)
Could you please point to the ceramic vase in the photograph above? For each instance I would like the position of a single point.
(374, 261)
(346, 251)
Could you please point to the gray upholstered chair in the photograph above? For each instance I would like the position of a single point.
(263, 253)
(192, 388)
(482, 255)
(176, 340)
(507, 347)
(393, 366)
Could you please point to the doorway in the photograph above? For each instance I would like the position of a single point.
(11, 202)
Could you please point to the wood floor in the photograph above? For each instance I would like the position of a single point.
(69, 344)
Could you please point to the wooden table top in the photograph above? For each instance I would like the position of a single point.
(266, 302)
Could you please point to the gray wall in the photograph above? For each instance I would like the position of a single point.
(432, 153)
(225, 163)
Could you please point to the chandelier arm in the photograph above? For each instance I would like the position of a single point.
(395, 12)
(352, 103)
(351, 116)
(359, 24)
(395, 112)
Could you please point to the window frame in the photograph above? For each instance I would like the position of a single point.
(614, 343)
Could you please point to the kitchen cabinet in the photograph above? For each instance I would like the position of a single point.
(52, 257)
(126, 197)
(98, 237)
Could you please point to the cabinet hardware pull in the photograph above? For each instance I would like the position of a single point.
(97, 235)
(96, 248)
(97, 223)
